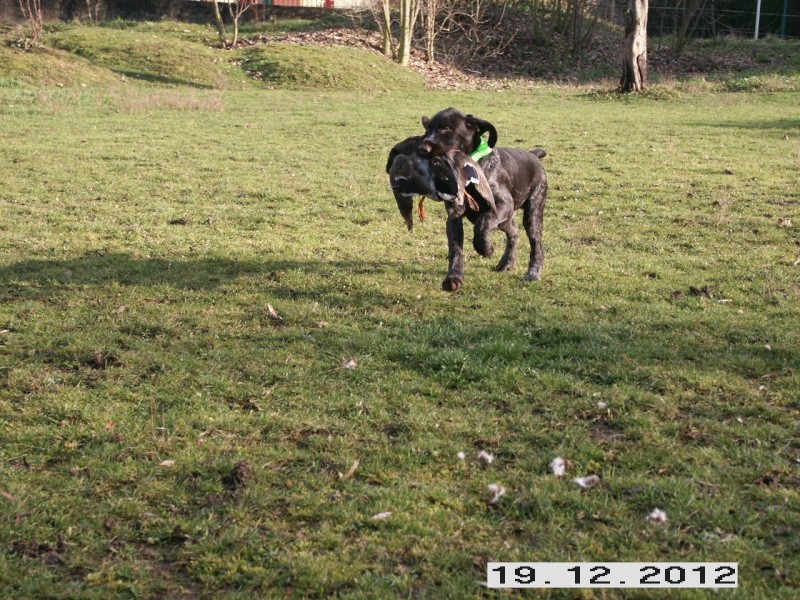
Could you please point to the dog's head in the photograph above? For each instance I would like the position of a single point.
(450, 129)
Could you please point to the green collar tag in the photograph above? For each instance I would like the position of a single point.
(482, 150)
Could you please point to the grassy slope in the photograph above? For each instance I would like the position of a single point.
(133, 340)
(178, 54)
(149, 56)
(49, 67)
(310, 67)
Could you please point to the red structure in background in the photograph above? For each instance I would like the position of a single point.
(286, 3)
(301, 3)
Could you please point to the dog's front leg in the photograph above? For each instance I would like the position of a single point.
(455, 245)
(482, 238)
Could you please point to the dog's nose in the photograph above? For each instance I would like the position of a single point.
(425, 148)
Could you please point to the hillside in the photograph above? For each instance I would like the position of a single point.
(308, 54)
(177, 54)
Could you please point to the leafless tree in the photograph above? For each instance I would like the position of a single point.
(467, 28)
(34, 17)
(220, 23)
(382, 13)
(565, 25)
(399, 49)
(409, 12)
(634, 62)
(430, 14)
(236, 10)
(690, 18)
(96, 9)
(472, 28)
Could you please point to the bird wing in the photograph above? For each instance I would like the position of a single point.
(403, 188)
(476, 186)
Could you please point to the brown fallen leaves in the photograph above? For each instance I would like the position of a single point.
(238, 476)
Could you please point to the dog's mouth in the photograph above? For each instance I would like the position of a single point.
(428, 149)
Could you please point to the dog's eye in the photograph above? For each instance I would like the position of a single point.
(444, 130)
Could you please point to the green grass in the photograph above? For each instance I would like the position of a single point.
(309, 67)
(49, 67)
(150, 56)
(177, 54)
(145, 230)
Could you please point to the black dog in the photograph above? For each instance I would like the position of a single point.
(516, 178)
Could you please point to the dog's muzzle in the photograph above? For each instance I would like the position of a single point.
(425, 149)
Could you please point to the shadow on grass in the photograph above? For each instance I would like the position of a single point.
(606, 355)
(151, 78)
(456, 351)
(124, 269)
(779, 124)
(45, 278)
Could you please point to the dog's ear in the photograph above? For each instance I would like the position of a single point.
(480, 127)
(425, 122)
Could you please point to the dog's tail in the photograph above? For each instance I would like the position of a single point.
(539, 153)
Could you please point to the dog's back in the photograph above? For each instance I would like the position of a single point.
(519, 172)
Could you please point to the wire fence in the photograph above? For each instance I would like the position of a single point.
(665, 18)
(727, 17)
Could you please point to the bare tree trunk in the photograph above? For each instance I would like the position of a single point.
(223, 36)
(409, 12)
(429, 15)
(382, 13)
(236, 16)
(634, 62)
(406, 30)
(96, 9)
(235, 20)
(386, 27)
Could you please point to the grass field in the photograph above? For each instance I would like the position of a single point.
(162, 434)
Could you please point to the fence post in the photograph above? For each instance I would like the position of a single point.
(784, 18)
(758, 18)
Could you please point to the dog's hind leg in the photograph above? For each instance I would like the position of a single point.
(533, 220)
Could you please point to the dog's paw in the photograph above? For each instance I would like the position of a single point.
(451, 284)
(483, 247)
(505, 265)
(532, 276)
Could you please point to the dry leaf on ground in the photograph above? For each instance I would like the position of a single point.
(351, 472)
